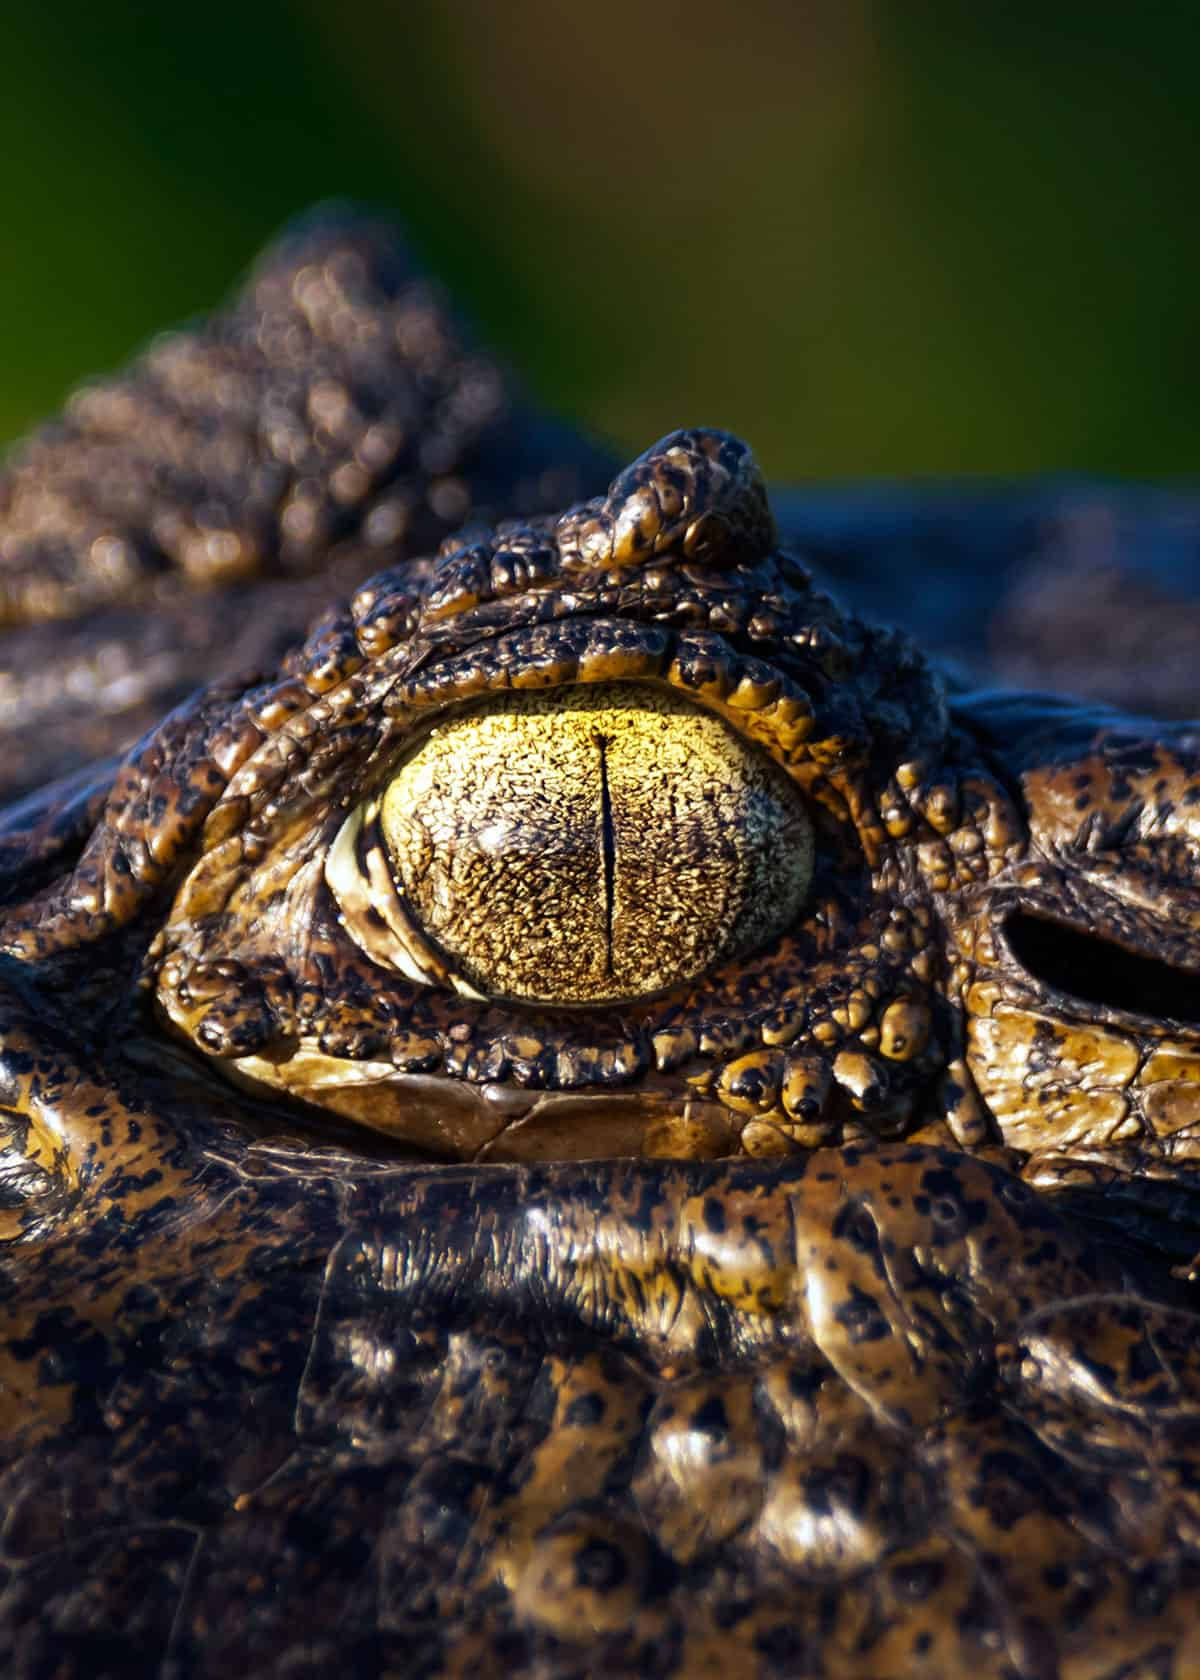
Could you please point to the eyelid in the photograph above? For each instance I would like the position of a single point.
(371, 910)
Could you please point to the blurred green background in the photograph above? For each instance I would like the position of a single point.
(874, 236)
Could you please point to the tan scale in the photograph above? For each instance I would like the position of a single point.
(1048, 1081)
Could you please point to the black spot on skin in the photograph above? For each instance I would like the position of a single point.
(139, 1298)
(782, 1646)
(1150, 1592)
(711, 1417)
(861, 1318)
(939, 1181)
(706, 1346)
(1143, 1363)
(855, 1226)
(600, 1566)
(512, 1650)
(913, 1582)
(1138, 757)
(585, 1410)
(803, 1382)
(1012, 1488)
(1080, 1604)
(713, 1215)
(977, 1618)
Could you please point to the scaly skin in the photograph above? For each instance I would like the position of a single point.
(189, 518)
(827, 1313)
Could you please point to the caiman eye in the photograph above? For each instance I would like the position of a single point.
(583, 846)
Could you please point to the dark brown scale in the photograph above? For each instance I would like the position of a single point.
(830, 1313)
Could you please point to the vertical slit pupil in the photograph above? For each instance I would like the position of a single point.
(609, 848)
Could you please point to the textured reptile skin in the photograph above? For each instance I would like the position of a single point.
(829, 1313)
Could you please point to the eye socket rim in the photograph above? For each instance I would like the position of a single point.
(359, 853)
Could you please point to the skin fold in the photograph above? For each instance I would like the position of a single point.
(806, 1292)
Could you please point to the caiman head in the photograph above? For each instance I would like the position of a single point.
(596, 935)
(610, 835)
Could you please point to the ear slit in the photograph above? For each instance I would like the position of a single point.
(1097, 970)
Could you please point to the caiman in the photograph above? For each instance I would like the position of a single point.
(596, 1113)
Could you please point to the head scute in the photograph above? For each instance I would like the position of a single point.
(696, 494)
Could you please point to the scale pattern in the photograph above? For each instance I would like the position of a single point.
(867, 1347)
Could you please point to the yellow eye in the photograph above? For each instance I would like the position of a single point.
(592, 844)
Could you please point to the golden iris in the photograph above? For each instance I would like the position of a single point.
(594, 844)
